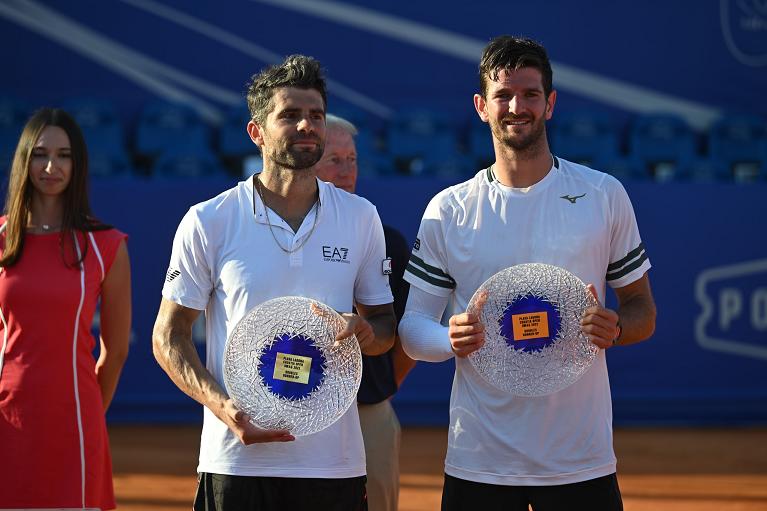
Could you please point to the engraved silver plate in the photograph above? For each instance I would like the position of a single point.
(283, 368)
(534, 345)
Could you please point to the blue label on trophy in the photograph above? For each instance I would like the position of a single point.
(292, 367)
(530, 323)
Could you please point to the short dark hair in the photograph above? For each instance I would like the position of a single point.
(295, 71)
(513, 53)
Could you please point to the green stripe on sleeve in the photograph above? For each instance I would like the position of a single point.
(428, 278)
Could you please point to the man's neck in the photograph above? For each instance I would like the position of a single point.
(289, 193)
(520, 169)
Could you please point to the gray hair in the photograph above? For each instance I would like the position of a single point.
(333, 121)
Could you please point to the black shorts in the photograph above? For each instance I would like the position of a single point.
(217, 492)
(601, 494)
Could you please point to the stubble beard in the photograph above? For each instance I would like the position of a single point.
(525, 147)
(293, 159)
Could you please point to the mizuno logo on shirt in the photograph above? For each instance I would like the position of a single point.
(572, 199)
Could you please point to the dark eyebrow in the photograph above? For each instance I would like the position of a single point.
(507, 90)
(39, 149)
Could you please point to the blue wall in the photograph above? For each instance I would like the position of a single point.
(706, 364)
(699, 59)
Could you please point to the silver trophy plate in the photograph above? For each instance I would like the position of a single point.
(282, 367)
(534, 345)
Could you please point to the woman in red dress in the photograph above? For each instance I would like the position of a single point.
(57, 263)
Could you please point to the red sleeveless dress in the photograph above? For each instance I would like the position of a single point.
(54, 450)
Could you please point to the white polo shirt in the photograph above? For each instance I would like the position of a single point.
(575, 218)
(225, 261)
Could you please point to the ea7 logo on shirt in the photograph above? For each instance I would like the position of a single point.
(335, 254)
(417, 244)
(171, 274)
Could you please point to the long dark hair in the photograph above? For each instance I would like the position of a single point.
(77, 211)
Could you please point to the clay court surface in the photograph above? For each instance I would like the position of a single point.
(658, 469)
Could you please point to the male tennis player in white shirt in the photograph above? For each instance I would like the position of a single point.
(504, 452)
(281, 232)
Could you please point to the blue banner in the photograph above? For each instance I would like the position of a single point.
(706, 363)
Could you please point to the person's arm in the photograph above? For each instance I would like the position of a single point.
(114, 324)
(422, 335)
(374, 326)
(397, 249)
(175, 352)
(402, 364)
(636, 316)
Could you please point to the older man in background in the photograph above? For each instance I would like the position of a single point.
(382, 374)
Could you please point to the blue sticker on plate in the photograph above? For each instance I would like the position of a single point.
(530, 323)
(292, 367)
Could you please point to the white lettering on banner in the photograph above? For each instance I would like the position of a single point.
(759, 309)
(730, 305)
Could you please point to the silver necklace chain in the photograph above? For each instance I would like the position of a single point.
(269, 223)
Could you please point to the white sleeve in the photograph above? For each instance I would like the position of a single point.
(420, 331)
(188, 281)
(428, 265)
(372, 285)
(628, 257)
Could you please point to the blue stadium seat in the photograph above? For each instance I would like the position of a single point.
(234, 141)
(104, 164)
(740, 141)
(707, 170)
(585, 137)
(187, 162)
(362, 120)
(625, 168)
(451, 165)
(13, 115)
(101, 126)
(375, 163)
(164, 125)
(663, 143)
(104, 136)
(418, 135)
(369, 140)
(479, 143)
(367, 144)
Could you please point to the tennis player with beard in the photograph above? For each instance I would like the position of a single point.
(505, 452)
(281, 232)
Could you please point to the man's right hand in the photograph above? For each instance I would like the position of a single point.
(466, 334)
(239, 422)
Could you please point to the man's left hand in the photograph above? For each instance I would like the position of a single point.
(600, 324)
(358, 326)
